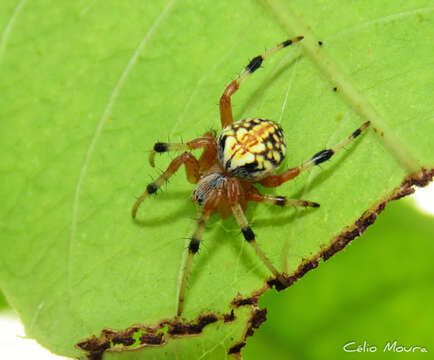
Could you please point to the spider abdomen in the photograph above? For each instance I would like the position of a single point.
(251, 148)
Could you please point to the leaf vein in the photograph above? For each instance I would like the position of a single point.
(103, 121)
(7, 30)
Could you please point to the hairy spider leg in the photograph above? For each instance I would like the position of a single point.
(161, 147)
(193, 247)
(209, 154)
(256, 196)
(318, 158)
(234, 194)
(225, 100)
(249, 236)
(191, 170)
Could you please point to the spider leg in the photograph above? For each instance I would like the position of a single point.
(160, 147)
(225, 100)
(256, 196)
(318, 158)
(209, 153)
(193, 247)
(191, 170)
(250, 238)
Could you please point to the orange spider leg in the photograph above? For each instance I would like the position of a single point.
(233, 193)
(254, 195)
(209, 155)
(193, 247)
(318, 158)
(225, 100)
(198, 143)
(191, 170)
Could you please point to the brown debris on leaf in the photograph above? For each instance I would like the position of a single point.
(239, 301)
(229, 317)
(420, 179)
(291, 279)
(121, 340)
(236, 349)
(113, 340)
(257, 318)
(179, 328)
(340, 241)
(125, 340)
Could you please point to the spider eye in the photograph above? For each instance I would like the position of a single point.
(251, 148)
(199, 197)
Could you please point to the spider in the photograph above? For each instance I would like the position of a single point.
(245, 152)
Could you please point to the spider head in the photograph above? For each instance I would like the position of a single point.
(205, 185)
(251, 149)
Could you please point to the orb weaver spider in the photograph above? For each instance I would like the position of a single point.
(246, 152)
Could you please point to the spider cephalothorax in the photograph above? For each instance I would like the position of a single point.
(246, 152)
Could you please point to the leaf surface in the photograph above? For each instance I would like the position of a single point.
(87, 88)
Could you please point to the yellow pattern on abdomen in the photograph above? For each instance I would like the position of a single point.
(251, 148)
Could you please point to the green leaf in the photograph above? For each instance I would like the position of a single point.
(3, 303)
(367, 294)
(88, 87)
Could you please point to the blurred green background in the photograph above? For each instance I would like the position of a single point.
(369, 292)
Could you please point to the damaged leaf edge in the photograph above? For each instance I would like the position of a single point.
(420, 179)
(122, 340)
